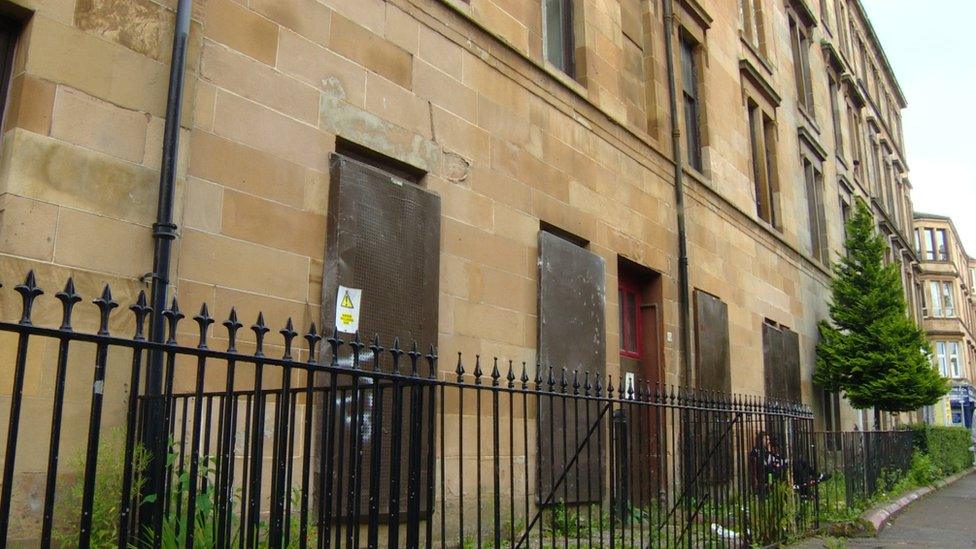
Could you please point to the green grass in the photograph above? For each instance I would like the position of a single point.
(108, 495)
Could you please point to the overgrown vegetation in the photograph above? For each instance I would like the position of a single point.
(948, 447)
(108, 497)
(106, 506)
(939, 452)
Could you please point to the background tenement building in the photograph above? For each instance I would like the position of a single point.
(945, 287)
(460, 161)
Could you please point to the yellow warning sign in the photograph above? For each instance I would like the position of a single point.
(347, 311)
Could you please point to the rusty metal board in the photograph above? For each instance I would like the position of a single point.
(712, 361)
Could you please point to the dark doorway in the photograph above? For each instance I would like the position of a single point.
(640, 308)
(639, 296)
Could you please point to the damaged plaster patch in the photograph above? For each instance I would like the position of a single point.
(332, 87)
(139, 25)
(456, 167)
(369, 130)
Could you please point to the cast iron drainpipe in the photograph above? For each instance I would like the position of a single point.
(684, 297)
(164, 233)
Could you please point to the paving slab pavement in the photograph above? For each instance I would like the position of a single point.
(945, 519)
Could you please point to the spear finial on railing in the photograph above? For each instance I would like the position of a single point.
(495, 374)
(28, 292)
(232, 325)
(414, 355)
(105, 305)
(510, 376)
(140, 309)
(576, 381)
(524, 378)
(259, 328)
(335, 342)
(395, 354)
(610, 386)
(477, 370)
(288, 333)
(203, 321)
(377, 350)
(312, 338)
(598, 388)
(459, 370)
(432, 362)
(356, 346)
(586, 383)
(173, 316)
(69, 297)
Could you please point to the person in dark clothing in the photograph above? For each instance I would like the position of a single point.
(766, 464)
(806, 479)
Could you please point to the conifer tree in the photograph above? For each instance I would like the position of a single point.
(871, 350)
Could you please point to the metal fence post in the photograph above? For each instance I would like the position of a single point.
(621, 446)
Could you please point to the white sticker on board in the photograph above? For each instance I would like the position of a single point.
(347, 309)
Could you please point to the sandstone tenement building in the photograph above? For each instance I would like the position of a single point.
(479, 139)
(945, 288)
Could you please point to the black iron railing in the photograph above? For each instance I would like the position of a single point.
(342, 442)
(857, 466)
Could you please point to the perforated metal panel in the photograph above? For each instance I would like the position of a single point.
(571, 335)
(383, 237)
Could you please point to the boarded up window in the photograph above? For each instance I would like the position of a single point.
(384, 238)
(708, 434)
(571, 336)
(781, 360)
(791, 365)
(712, 363)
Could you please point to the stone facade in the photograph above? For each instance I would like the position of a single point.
(945, 286)
(461, 91)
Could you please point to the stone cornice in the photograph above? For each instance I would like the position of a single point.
(696, 11)
(749, 72)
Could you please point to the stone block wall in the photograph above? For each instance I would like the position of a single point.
(457, 89)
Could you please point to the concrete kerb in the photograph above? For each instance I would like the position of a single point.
(875, 520)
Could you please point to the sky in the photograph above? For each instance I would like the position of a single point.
(931, 46)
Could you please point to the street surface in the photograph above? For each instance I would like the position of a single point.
(945, 519)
